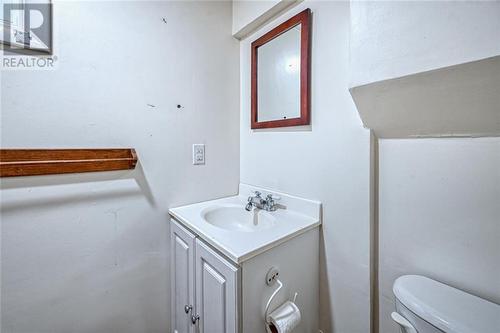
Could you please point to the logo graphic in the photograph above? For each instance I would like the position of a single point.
(27, 27)
(26, 36)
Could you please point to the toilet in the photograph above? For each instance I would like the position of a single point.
(427, 306)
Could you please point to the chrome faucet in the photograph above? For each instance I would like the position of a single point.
(268, 204)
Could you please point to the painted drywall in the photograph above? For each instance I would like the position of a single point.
(244, 12)
(249, 15)
(89, 253)
(395, 38)
(327, 161)
(427, 68)
(439, 210)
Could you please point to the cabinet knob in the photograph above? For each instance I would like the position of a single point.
(188, 308)
(195, 318)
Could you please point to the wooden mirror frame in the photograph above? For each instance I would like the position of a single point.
(302, 18)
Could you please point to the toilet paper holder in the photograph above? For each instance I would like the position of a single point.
(273, 295)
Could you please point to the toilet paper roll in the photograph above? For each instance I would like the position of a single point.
(284, 319)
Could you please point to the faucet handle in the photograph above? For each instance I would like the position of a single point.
(257, 195)
(273, 197)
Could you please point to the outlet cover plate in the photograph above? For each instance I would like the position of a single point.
(198, 154)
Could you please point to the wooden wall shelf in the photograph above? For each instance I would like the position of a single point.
(35, 162)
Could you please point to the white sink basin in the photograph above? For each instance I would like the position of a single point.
(236, 218)
(240, 235)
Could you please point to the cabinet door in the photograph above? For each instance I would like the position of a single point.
(217, 292)
(182, 246)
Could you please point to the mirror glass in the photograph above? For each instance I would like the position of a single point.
(278, 77)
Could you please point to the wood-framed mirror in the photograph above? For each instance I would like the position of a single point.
(280, 75)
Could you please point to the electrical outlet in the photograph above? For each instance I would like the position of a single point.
(198, 154)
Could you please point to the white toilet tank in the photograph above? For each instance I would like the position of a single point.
(427, 306)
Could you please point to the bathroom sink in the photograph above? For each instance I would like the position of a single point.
(236, 218)
(240, 234)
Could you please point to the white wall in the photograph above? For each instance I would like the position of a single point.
(439, 215)
(327, 161)
(89, 253)
(244, 12)
(249, 15)
(395, 38)
(409, 57)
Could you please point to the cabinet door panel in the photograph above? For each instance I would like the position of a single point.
(217, 283)
(182, 246)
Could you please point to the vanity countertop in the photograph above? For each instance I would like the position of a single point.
(264, 230)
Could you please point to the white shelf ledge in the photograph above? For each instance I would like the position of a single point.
(461, 100)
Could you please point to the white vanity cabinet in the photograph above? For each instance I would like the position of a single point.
(212, 294)
(204, 286)
(222, 255)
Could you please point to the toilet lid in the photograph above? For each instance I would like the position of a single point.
(449, 309)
